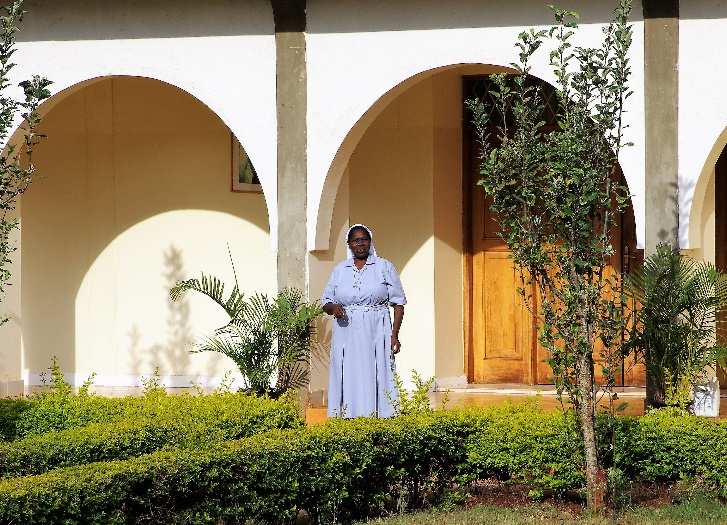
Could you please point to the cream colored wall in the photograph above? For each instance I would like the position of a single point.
(220, 51)
(11, 362)
(320, 265)
(705, 211)
(358, 52)
(404, 182)
(135, 195)
(448, 235)
(391, 174)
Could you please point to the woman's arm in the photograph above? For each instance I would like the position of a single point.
(398, 318)
(330, 306)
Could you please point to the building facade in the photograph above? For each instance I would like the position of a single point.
(349, 111)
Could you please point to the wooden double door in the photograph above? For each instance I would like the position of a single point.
(502, 331)
(503, 340)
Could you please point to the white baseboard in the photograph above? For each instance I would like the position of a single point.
(443, 383)
(131, 380)
(12, 388)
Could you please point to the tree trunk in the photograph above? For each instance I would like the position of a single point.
(595, 477)
(655, 397)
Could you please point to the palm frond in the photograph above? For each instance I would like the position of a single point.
(294, 375)
(680, 316)
(263, 337)
(213, 288)
(222, 344)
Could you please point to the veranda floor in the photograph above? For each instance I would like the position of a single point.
(480, 395)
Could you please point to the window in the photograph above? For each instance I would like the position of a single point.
(244, 176)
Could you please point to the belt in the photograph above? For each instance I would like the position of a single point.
(366, 307)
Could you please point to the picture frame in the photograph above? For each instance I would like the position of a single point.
(243, 176)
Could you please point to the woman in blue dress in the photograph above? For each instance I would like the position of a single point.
(358, 295)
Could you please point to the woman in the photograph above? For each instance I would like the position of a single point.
(358, 295)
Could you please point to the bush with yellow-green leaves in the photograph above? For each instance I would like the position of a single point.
(347, 470)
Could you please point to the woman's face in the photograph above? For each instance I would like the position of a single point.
(360, 244)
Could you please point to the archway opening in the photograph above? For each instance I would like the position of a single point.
(409, 177)
(708, 224)
(140, 185)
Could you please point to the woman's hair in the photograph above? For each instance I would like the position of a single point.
(355, 229)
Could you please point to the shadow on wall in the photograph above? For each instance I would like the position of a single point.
(51, 20)
(172, 355)
(134, 195)
(664, 235)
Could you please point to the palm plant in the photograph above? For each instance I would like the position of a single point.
(679, 307)
(268, 340)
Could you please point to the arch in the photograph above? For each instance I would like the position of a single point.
(321, 202)
(155, 184)
(265, 167)
(693, 196)
(403, 172)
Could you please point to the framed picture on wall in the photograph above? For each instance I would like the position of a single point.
(244, 176)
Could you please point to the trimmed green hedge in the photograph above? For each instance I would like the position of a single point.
(209, 419)
(348, 470)
(53, 411)
(337, 472)
(528, 446)
(666, 445)
(11, 410)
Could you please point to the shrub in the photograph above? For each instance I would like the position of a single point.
(10, 412)
(219, 418)
(667, 445)
(354, 469)
(680, 301)
(268, 339)
(525, 444)
(417, 401)
(53, 411)
(340, 471)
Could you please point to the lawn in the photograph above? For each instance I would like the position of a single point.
(694, 512)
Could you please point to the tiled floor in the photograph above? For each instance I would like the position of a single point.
(488, 395)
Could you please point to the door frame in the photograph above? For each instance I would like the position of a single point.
(468, 336)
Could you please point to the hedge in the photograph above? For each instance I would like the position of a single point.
(666, 445)
(53, 411)
(539, 448)
(212, 419)
(11, 410)
(347, 470)
(339, 471)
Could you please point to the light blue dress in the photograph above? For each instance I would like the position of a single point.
(362, 364)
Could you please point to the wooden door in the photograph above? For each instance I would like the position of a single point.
(502, 331)
(720, 241)
(502, 326)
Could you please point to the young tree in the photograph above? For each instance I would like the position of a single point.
(16, 161)
(556, 197)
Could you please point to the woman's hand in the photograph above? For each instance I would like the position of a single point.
(395, 344)
(336, 310)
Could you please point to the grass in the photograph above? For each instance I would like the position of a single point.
(699, 511)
